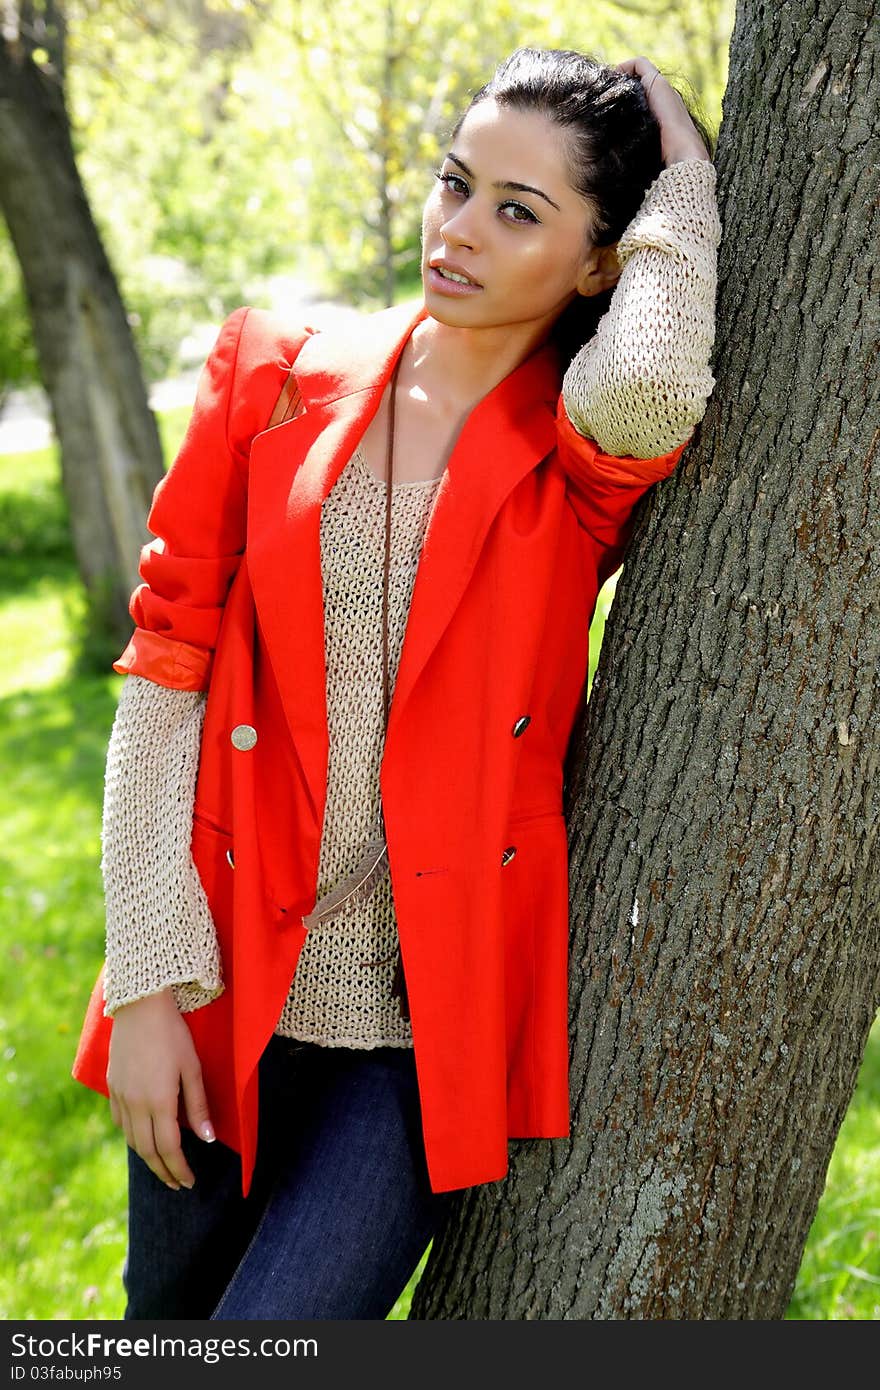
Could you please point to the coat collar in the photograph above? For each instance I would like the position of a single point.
(342, 373)
(354, 354)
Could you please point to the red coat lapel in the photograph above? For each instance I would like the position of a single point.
(342, 373)
(503, 439)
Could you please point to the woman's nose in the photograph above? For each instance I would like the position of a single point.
(461, 229)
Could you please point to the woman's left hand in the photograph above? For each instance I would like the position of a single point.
(679, 137)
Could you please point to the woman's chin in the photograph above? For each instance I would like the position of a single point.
(456, 313)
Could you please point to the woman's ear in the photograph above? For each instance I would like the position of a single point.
(600, 271)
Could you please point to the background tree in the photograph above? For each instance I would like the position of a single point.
(110, 452)
(725, 884)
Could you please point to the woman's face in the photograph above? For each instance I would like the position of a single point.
(504, 218)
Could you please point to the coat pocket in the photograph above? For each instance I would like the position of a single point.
(212, 854)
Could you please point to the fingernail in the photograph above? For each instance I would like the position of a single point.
(207, 1132)
(188, 1185)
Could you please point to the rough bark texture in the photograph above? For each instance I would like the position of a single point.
(110, 450)
(723, 792)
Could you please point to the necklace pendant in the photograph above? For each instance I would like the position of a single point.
(356, 887)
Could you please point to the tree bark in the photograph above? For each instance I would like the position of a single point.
(722, 799)
(111, 454)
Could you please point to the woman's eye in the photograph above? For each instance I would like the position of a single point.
(510, 211)
(454, 182)
(518, 212)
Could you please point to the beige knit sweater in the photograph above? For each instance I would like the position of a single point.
(638, 388)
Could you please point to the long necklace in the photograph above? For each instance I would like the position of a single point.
(373, 865)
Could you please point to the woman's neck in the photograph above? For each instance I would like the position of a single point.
(444, 373)
(456, 367)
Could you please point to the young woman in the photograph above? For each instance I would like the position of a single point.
(334, 850)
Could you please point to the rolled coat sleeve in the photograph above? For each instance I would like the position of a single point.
(199, 510)
(604, 489)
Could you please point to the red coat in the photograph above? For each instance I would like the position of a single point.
(530, 519)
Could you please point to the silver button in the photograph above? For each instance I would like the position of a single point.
(230, 859)
(243, 736)
(521, 725)
(507, 855)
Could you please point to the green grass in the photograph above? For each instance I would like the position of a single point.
(839, 1277)
(62, 1167)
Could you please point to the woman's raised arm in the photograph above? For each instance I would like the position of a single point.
(640, 385)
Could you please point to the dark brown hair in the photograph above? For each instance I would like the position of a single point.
(613, 141)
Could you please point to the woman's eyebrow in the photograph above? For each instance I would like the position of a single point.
(509, 183)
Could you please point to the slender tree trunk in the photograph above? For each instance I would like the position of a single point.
(722, 804)
(110, 450)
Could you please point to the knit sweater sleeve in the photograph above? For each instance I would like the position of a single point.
(159, 929)
(641, 383)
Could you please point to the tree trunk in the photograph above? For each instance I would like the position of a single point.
(722, 803)
(111, 455)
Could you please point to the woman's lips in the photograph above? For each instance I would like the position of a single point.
(441, 284)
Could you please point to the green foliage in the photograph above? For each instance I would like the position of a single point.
(228, 142)
(34, 524)
(178, 165)
(18, 360)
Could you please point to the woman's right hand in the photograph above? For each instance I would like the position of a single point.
(152, 1057)
(679, 137)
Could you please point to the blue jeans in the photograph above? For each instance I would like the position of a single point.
(339, 1213)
